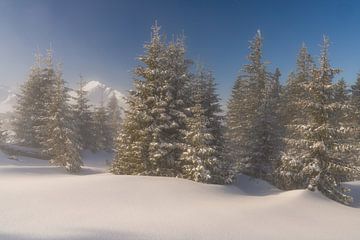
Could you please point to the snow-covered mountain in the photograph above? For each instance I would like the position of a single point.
(95, 92)
(7, 99)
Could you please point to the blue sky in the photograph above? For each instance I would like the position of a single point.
(101, 39)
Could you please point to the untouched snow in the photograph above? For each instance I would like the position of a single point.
(38, 201)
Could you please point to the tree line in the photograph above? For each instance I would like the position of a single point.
(47, 117)
(304, 134)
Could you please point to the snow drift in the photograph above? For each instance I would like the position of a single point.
(43, 202)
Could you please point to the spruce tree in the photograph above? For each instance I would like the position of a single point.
(249, 131)
(62, 143)
(206, 111)
(133, 142)
(114, 118)
(83, 116)
(101, 129)
(26, 107)
(169, 112)
(155, 123)
(45, 84)
(323, 152)
(292, 115)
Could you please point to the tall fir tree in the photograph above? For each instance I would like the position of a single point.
(46, 85)
(101, 129)
(133, 142)
(26, 107)
(249, 133)
(62, 143)
(114, 118)
(83, 116)
(324, 152)
(206, 143)
(292, 114)
(154, 125)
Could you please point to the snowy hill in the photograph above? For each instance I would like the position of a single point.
(95, 91)
(43, 202)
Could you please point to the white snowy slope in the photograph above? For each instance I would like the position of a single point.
(42, 202)
(97, 91)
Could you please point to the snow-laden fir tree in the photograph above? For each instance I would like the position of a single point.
(355, 103)
(292, 114)
(204, 133)
(62, 143)
(2, 134)
(198, 156)
(83, 117)
(26, 113)
(114, 118)
(132, 150)
(46, 86)
(268, 129)
(169, 112)
(248, 119)
(324, 149)
(101, 130)
(151, 138)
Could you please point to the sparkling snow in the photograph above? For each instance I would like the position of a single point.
(38, 201)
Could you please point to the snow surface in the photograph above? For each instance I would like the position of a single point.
(38, 201)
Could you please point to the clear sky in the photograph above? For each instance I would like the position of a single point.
(101, 39)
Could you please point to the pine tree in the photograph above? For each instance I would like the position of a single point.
(292, 115)
(199, 156)
(62, 143)
(206, 112)
(114, 118)
(133, 142)
(102, 132)
(154, 125)
(33, 102)
(2, 133)
(249, 132)
(83, 116)
(26, 108)
(323, 152)
(169, 112)
(46, 85)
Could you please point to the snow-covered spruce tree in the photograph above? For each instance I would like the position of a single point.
(83, 117)
(155, 122)
(326, 150)
(114, 118)
(62, 143)
(132, 150)
(249, 133)
(269, 129)
(2, 134)
(292, 115)
(204, 140)
(46, 86)
(198, 155)
(101, 129)
(26, 113)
